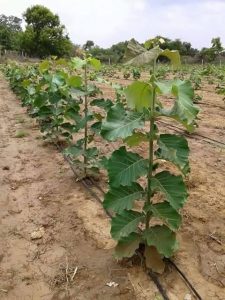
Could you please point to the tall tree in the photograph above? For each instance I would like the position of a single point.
(44, 34)
(210, 54)
(10, 32)
(88, 45)
(217, 45)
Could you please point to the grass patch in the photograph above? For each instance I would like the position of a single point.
(20, 120)
(21, 134)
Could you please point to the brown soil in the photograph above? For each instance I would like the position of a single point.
(38, 191)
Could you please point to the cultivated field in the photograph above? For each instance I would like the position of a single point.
(55, 236)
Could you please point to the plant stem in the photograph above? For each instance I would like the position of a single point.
(85, 116)
(150, 155)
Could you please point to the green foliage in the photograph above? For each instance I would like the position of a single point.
(217, 45)
(172, 187)
(125, 167)
(184, 48)
(44, 35)
(111, 55)
(48, 97)
(133, 178)
(174, 149)
(10, 32)
(54, 96)
(121, 198)
(88, 45)
(183, 109)
(125, 223)
(143, 56)
(209, 54)
(136, 73)
(145, 199)
(120, 123)
(139, 95)
(81, 146)
(163, 238)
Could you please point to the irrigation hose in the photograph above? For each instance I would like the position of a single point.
(185, 279)
(158, 284)
(194, 135)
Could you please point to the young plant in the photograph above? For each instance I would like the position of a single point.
(46, 94)
(136, 73)
(86, 91)
(146, 199)
(126, 74)
(196, 80)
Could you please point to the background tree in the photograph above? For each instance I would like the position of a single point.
(44, 35)
(114, 54)
(216, 49)
(10, 32)
(217, 45)
(207, 54)
(88, 45)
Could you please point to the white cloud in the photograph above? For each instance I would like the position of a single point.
(109, 21)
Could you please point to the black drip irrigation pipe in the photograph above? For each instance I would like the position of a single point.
(158, 284)
(185, 279)
(194, 135)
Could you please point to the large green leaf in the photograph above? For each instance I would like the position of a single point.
(175, 149)
(140, 56)
(95, 63)
(145, 57)
(173, 56)
(125, 223)
(127, 246)
(172, 187)
(75, 81)
(183, 110)
(162, 238)
(122, 197)
(139, 95)
(77, 62)
(120, 124)
(125, 167)
(167, 213)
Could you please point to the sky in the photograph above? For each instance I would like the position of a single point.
(107, 22)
